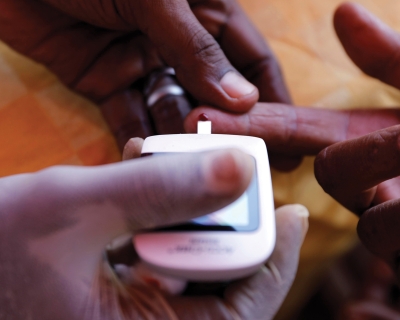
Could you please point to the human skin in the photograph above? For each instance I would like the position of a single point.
(57, 222)
(105, 49)
(304, 130)
(361, 173)
(357, 150)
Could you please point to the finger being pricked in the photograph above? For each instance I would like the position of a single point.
(295, 131)
(285, 129)
(351, 170)
(244, 46)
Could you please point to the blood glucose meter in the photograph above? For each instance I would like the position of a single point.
(228, 244)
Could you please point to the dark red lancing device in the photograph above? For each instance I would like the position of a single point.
(203, 117)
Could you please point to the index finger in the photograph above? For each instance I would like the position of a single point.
(349, 171)
(289, 130)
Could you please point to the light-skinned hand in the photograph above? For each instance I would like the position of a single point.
(57, 222)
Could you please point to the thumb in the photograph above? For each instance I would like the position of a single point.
(83, 209)
(371, 44)
(200, 64)
(248, 297)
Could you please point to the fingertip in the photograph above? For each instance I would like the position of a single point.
(296, 215)
(322, 171)
(132, 149)
(346, 8)
(368, 41)
(190, 123)
(228, 172)
(350, 15)
(223, 122)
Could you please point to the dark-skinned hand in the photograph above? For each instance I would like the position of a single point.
(299, 131)
(104, 50)
(358, 164)
(57, 222)
(363, 173)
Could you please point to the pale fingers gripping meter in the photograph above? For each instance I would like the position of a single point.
(228, 244)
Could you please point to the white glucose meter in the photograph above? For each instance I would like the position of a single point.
(228, 244)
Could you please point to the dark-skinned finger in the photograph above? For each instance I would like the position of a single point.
(295, 131)
(127, 116)
(169, 113)
(126, 60)
(243, 46)
(378, 229)
(350, 171)
(287, 130)
(132, 149)
(248, 297)
(200, 64)
(167, 110)
(387, 190)
(250, 54)
(93, 61)
(371, 44)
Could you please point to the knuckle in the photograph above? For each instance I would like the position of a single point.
(381, 143)
(50, 181)
(203, 47)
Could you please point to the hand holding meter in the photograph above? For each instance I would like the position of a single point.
(227, 244)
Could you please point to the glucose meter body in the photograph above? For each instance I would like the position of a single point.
(228, 244)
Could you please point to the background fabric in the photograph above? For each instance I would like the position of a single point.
(42, 123)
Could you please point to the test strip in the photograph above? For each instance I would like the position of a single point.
(204, 127)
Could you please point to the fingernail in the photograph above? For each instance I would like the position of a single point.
(235, 85)
(227, 171)
(303, 213)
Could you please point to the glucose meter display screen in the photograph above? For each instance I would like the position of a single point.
(241, 215)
